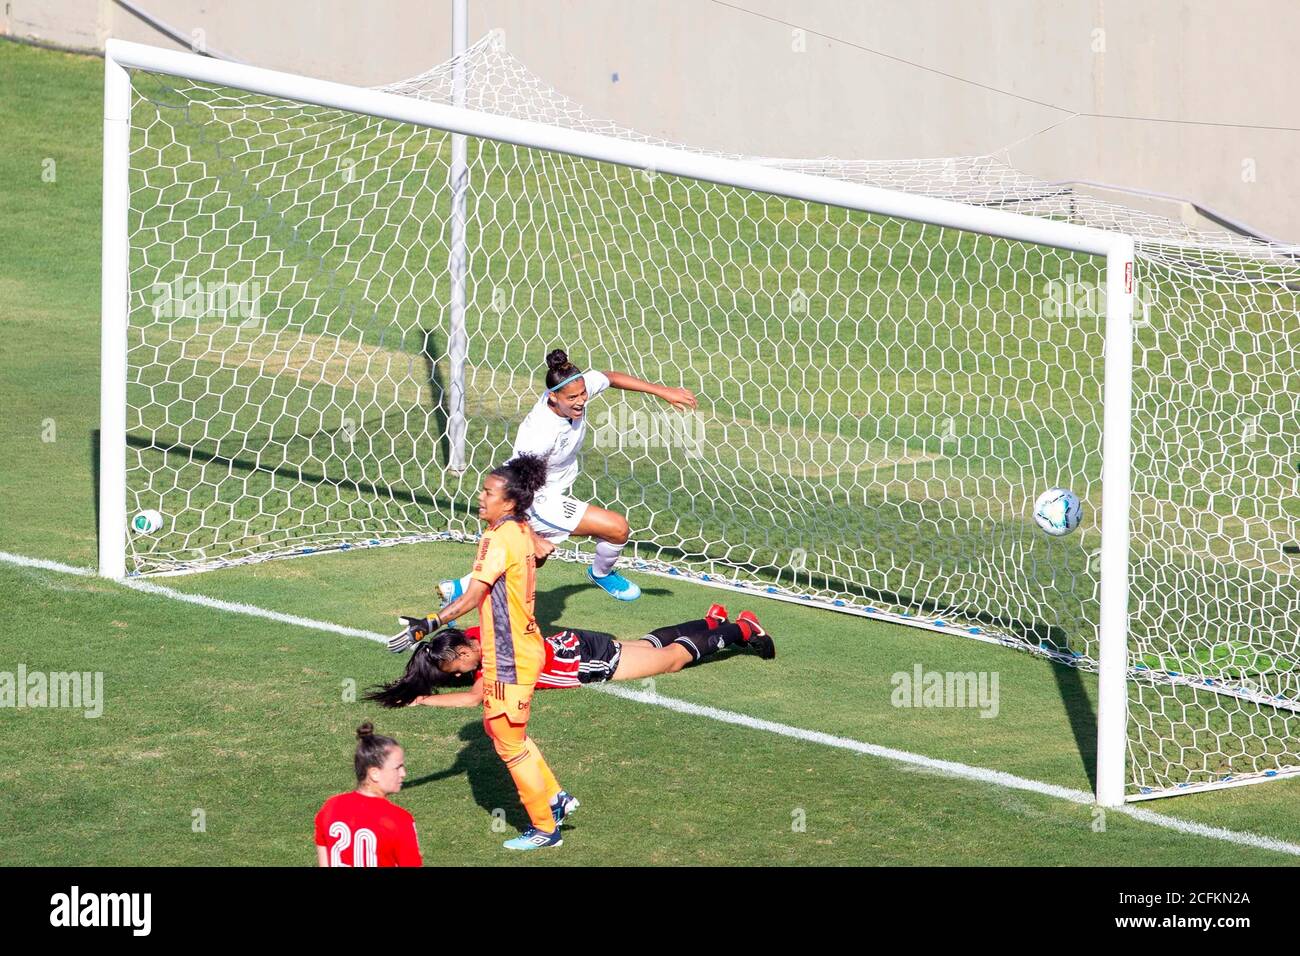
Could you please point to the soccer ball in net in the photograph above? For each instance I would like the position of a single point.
(1058, 511)
(147, 522)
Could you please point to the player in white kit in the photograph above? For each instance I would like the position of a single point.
(554, 430)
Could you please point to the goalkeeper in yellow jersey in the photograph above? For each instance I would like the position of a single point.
(502, 588)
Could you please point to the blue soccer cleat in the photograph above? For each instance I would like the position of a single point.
(615, 585)
(563, 804)
(450, 591)
(534, 839)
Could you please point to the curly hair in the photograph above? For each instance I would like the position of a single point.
(523, 475)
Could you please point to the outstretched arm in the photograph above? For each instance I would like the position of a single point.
(418, 628)
(465, 698)
(681, 399)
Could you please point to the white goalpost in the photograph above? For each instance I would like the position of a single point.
(889, 387)
(457, 337)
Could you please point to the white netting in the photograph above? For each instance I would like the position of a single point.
(882, 401)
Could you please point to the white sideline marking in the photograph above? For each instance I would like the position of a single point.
(951, 768)
(252, 611)
(230, 606)
(44, 565)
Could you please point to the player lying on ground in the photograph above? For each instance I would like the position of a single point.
(554, 430)
(573, 657)
(502, 588)
(361, 827)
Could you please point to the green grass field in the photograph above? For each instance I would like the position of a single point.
(246, 724)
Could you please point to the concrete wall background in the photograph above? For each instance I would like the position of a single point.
(1196, 97)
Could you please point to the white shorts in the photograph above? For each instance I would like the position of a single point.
(554, 517)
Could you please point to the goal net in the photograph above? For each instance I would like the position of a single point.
(881, 399)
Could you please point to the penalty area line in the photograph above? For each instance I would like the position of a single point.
(950, 768)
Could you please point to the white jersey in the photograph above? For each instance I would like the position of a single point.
(557, 440)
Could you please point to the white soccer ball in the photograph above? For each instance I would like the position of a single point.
(1058, 511)
(147, 522)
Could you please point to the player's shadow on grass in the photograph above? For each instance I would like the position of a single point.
(489, 780)
(549, 607)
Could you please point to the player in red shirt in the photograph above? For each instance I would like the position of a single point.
(361, 827)
(573, 657)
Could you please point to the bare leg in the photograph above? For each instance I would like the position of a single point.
(611, 530)
(642, 660)
(603, 524)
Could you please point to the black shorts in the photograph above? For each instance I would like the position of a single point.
(599, 654)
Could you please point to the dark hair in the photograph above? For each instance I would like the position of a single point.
(423, 670)
(558, 368)
(372, 750)
(524, 475)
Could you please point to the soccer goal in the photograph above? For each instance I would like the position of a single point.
(325, 307)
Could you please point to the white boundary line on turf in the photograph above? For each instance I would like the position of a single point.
(252, 611)
(948, 767)
(24, 562)
(232, 607)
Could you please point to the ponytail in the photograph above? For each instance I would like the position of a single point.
(423, 670)
(559, 370)
(372, 750)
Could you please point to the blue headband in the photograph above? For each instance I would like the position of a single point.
(571, 378)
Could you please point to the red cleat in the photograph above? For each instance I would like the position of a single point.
(716, 614)
(756, 638)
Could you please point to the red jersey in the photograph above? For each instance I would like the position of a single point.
(559, 669)
(367, 831)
